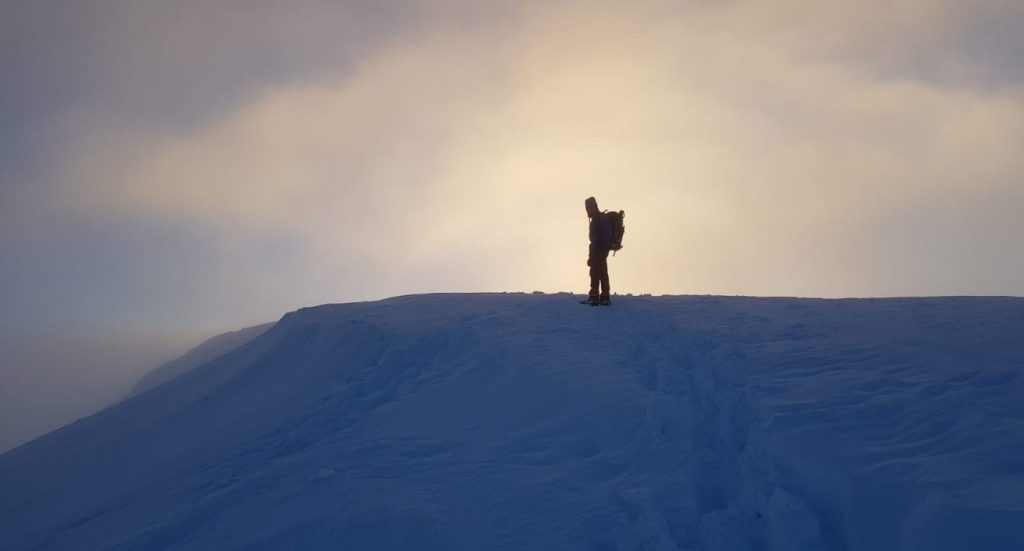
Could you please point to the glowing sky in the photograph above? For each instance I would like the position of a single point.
(199, 166)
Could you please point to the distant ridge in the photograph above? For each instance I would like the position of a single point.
(208, 350)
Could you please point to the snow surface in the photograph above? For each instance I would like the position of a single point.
(518, 421)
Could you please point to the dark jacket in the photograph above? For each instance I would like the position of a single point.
(600, 226)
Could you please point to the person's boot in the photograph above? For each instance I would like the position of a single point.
(592, 300)
(605, 300)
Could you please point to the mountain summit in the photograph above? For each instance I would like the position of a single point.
(512, 421)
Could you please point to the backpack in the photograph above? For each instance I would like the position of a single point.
(618, 229)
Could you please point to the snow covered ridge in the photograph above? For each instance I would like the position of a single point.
(532, 422)
(207, 351)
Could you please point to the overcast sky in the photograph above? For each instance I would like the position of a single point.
(176, 169)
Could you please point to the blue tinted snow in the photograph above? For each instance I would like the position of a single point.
(526, 421)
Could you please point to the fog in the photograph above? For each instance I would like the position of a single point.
(50, 379)
(171, 172)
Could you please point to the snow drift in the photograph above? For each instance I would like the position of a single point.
(532, 422)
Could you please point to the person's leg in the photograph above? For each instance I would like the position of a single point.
(595, 276)
(605, 288)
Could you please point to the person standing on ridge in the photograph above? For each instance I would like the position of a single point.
(600, 245)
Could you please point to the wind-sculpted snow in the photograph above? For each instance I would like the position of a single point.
(532, 422)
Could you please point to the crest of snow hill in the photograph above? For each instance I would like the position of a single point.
(205, 352)
(511, 421)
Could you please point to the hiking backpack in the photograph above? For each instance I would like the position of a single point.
(618, 229)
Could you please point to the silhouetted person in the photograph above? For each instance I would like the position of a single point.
(600, 245)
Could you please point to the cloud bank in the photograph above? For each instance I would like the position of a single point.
(758, 147)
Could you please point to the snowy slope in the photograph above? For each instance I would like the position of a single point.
(532, 422)
(206, 351)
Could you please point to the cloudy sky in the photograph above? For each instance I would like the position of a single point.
(175, 169)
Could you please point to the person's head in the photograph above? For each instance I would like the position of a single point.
(591, 205)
